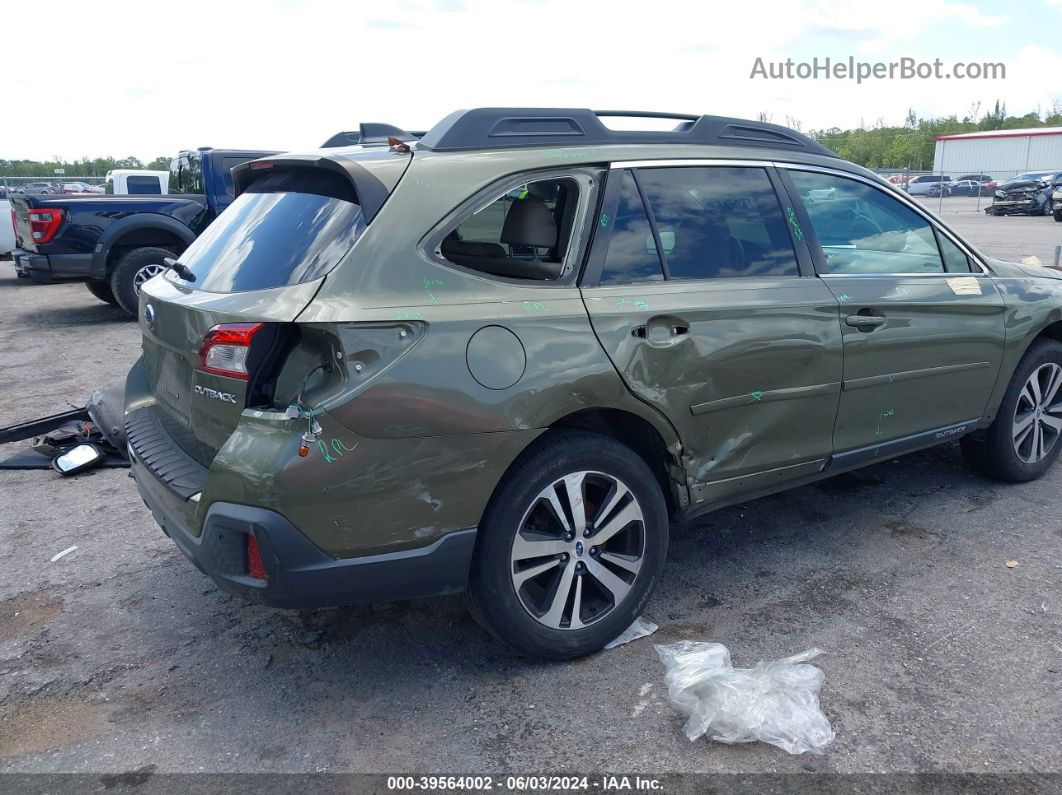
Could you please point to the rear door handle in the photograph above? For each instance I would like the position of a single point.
(864, 321)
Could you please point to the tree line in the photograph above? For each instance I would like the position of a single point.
(911, 145)
(84, 167)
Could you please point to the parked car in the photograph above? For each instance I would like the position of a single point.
(80, 187)
(40, 188)
(135, 182)
(958, 187)
(1056, 202)
(1028, 193)
(116, 243)
(382, 375)
(920, 185)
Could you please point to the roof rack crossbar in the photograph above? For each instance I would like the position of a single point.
(505, 128)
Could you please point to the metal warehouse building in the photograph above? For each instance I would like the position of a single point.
(999, 152)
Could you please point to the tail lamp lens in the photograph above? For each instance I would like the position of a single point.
(225, 348)
(255, 567)
(44, 224)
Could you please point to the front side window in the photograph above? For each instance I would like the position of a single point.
(955, 261)
(864, 230)
(523, 234)
(718, 222)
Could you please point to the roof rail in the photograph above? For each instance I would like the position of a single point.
(370, 134)
(504, 128)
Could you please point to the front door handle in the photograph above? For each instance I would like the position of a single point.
(864, 321)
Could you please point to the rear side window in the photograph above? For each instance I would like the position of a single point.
(138, 185)
(864, 230)
(718, 222)
(287, 228)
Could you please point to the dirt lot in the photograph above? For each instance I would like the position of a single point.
(121, 657)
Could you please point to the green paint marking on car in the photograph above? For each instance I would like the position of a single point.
(793, 222)
(535, 458)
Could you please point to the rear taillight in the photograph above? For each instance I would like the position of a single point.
(14, 222)
(255, 567)
(225, 348)
(44, 224)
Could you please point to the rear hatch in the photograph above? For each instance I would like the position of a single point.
(211, 332)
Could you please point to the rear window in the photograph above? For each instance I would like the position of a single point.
(286, 228)
(140, 184)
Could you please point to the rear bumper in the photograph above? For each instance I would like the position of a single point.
(51, 267)
(300, 575)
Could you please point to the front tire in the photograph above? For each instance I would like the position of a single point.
(134, 269)
(570, 547)
(1058, 216)
(1026, 436)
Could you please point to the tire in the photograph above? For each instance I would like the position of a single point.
(130, 273)
(527, 616)
(1004, 453)
(102, 290)
(1058, 215)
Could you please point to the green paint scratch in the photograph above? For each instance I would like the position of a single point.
(604, 220)
(534, 306)
(844, 297)
(757, 396)
(793, 222)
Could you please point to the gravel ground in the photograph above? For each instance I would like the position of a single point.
(121, 657)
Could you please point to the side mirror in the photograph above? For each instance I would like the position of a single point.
(77, 459)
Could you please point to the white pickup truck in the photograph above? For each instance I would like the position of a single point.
(132, 182)
(7, 229)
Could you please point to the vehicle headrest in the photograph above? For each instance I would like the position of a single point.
(529, 222)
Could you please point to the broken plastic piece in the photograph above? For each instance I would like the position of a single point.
(64, 553)
(775, 702)
(641, 628)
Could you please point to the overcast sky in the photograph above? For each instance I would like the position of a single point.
(91, 78)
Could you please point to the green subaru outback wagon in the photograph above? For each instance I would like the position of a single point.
(501, 357)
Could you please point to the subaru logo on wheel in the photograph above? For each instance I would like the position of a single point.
(149, 314)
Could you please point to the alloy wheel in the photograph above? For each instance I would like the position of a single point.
(578, 550)
(145, 273)
(1038, 414)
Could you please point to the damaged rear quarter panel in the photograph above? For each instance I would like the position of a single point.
(353, 495)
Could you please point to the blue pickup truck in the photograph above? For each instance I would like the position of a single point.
(116, 243)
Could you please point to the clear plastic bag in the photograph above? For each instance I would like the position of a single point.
(776, 702)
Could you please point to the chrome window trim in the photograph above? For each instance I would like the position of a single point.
(693, 161)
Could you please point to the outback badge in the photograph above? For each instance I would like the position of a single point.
(149, 314)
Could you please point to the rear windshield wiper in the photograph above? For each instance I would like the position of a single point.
(181, 270)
